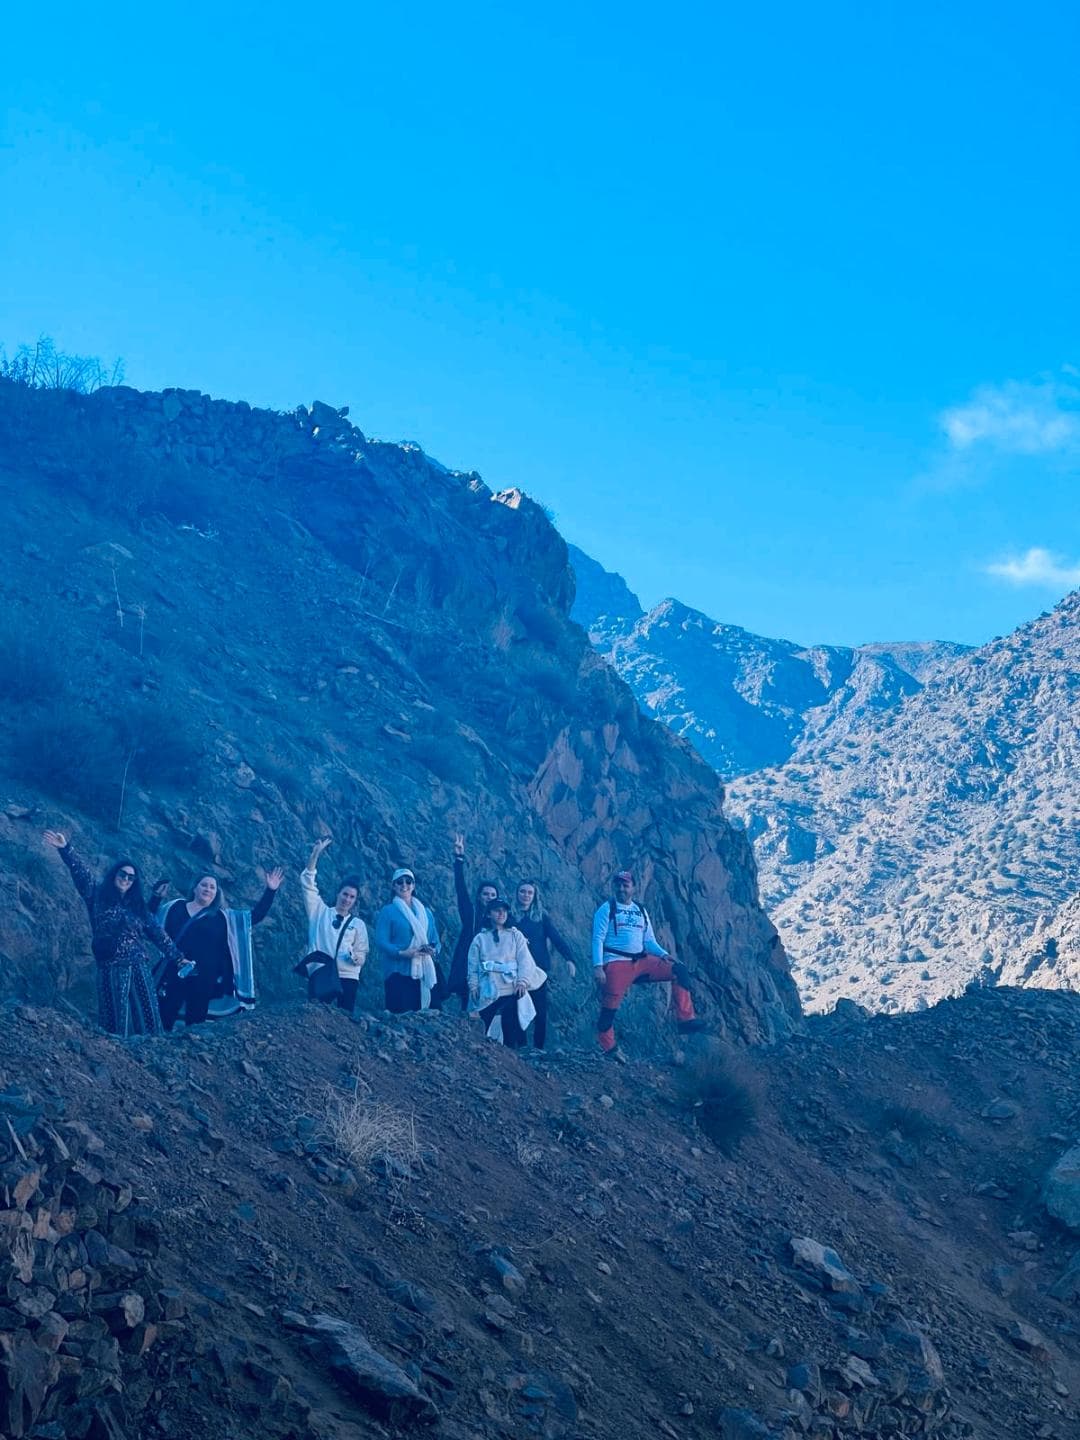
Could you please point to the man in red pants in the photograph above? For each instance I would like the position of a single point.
(625, 952)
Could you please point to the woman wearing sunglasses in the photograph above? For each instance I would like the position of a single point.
(407, 940)
(121, 930)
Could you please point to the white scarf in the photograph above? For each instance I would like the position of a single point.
(423, 966)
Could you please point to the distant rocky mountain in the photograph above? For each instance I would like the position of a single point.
(744, 701)
(913, 806)
(935, 843)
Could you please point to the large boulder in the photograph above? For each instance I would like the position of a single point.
(1061, 1192)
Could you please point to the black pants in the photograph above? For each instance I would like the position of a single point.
(192, 995)
(402, 994)
(506, 1006)
(346, 999)
(540, 1000)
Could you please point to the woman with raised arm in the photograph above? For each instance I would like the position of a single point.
(471, 912)
(121, 929)
(540, 931)
(217, 941)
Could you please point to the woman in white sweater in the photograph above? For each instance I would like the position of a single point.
(502, 971)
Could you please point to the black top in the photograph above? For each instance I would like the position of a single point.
(541, 934)
(118, 931)
(206, 940)
(457, 982)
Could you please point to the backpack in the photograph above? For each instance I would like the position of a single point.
(613, 911)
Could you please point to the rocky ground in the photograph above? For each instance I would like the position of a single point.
(551, 1248)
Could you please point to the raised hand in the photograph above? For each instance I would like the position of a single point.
(55, 837)
(459, 847)
(321, 845)
(274, 877)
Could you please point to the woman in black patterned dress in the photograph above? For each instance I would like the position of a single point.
(121, 929)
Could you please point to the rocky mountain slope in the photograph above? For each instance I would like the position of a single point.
(503, 1250)
(229, 631)
(936, 843)
(743, 700)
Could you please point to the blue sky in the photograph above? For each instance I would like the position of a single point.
(774, 306)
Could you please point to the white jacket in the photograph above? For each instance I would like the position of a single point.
(496, 968)
(323, 936)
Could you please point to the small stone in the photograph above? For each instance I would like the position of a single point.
(509, 1275)
(1031, 1341)
(142, 1122)
(606, 1101)
(1001, 1109)
(824, 1265)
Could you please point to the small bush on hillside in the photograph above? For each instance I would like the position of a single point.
(31, 666)
(43, 367)
(446, 758)
(367, 1132)
(541, 623)
(910, 1123)
(161, 744)
(723, 1096)
(552, 684)
(74, 758)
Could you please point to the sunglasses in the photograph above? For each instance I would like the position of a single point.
(125, 874)
(404, 882)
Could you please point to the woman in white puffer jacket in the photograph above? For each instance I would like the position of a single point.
(502, 971)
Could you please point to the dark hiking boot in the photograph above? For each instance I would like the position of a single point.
(693, 1027)
(616, 1056)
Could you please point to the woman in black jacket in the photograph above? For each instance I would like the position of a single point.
(199, 927)
(473, 915)
(540, 931)
(121, 929)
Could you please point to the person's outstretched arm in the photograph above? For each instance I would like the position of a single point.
(309, 885)
(461, 889)
(649, 942)
(266, 899)
(359, 943)
(599, 935)
(555, 937)
(157, 936)
(81, 873)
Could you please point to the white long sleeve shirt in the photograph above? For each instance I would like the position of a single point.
(629, 933)
(322, 934)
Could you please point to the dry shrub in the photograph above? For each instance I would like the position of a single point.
(366, 1132)
(723, 1095)
(910, 1123)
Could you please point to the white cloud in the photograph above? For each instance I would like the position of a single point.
(1017, 419)
(1037, 567)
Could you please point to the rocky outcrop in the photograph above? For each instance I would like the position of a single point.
(276, 628)
(931, 845)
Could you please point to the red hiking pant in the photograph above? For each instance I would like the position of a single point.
(619, 975)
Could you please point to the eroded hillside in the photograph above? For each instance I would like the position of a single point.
(558, 1251)
(228, 631)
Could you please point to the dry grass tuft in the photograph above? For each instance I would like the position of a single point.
(367, 1132)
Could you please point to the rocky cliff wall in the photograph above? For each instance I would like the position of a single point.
(228, 631)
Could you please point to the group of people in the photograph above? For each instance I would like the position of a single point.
(156, 959)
